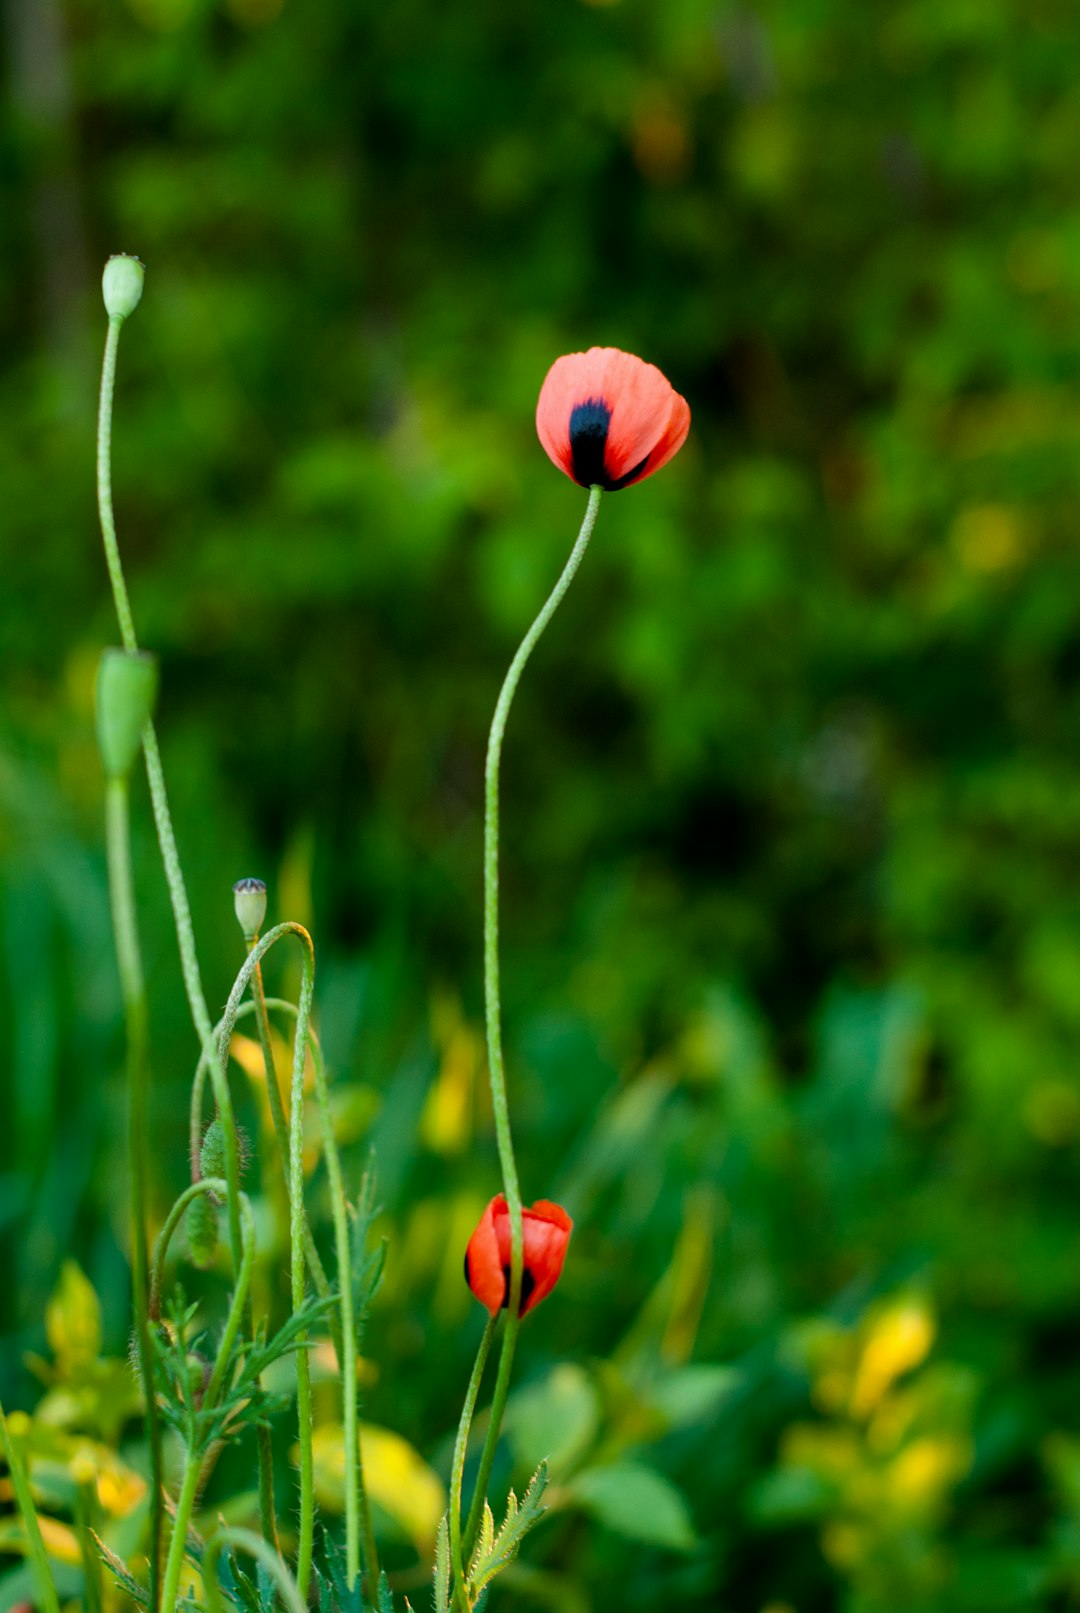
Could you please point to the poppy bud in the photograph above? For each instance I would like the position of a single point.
(546, 1230)
(609, 419)
(122, 285)
(126, 691)
(201, 1226)
(249, 898)
(212, 1152)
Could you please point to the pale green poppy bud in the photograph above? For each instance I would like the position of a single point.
(249, 897)
(122, 285)
(126, 691)
(201, 1226)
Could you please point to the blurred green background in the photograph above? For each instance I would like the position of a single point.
(791, 788)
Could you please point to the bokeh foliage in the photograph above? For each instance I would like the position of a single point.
(792, 794)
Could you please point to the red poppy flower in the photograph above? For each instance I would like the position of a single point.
(546, 1230)
(607, 417)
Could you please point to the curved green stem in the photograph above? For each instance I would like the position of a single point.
(215, 1185)
(190, 1486)
(457, 1466)
(257, 1548)
(492, 1004)
(104, 488)
(357, 1510)
(185, 933)
(133, 991)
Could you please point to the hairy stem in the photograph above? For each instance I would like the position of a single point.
(457, 1467)
(358, 1525)
(492, 1002)
(133, 991)
(185, 933)
(185, 1505)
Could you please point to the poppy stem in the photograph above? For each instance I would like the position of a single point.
(491, 1439)
(174, 878)
(457, 1468)
(492, 1001)
(133, 991)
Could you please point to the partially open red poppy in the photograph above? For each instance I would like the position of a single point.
(546, 1230)
(608, 418)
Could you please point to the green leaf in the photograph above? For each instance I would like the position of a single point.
(636, 1501)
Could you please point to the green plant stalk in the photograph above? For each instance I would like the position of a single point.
(281, 1132)
(104, 488)
(185, 933)
(216, 1187)
(491, 1438)
(133, 990)
(257, 1548)
(185, 1505)
(297, 1270)
(315, 1265)
(24, 1500)
(457, 1466)
(358, 1524)
(492, 1001)
(189, 1488)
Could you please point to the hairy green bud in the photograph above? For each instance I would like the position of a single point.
(201, 1226)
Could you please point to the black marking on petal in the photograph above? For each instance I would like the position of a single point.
(528, 1283)
(589, 423)
(613, 487)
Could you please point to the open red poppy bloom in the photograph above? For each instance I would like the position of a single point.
(546, 1230)
(608, 418)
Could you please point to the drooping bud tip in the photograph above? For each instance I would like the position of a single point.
(126, 691)
(249, 899)
(122, 285)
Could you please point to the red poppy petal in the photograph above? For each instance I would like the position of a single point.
(640, 397)
(670, 442)
(646, 422)
(562, 389)
(547, 1229)
(484, 1259)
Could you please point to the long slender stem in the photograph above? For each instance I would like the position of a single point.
(358, 1522)
(24, 1500)
(185, 933)
(296, 1267)
(281, 1127)
(457, 1467)
(185, 1505)
(133, 990)
(491, 1438)
(104, 488)
(492, 1003)
(237, 1308)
